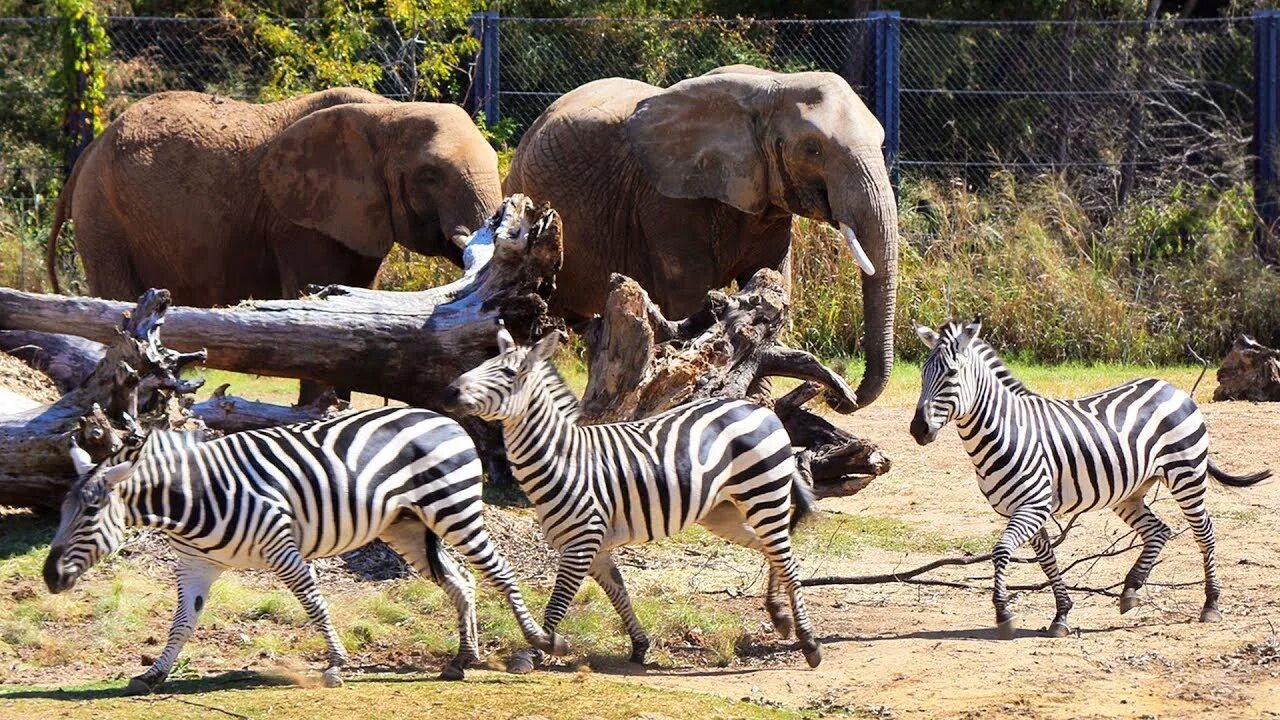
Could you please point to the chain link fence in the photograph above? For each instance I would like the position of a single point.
(1118, 106)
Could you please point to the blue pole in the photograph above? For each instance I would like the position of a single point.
(1266, 116)
(489, 52)
(885, 49)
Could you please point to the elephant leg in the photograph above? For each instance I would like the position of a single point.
(104, 251)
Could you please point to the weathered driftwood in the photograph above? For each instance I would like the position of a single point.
(137, 380)
(230, 414)
(402, 345)
(1251, 371)
(405, 346)
(642, 363)
(66, 359)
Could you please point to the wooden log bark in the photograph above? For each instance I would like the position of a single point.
(137, 382)
(67, 360)
(402, 345)
(642, 363)
(1251, 371)
(406, 346)
(230, 414)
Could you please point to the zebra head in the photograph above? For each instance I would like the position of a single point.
(92, 524)
(499, 388)
(946, 387)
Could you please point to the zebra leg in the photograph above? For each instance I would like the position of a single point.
(421, 548)
(1154, 533)
(1190, 497)
(575, 562)
(605, 572)
(195, 576)
(727, 521)
(1024, 523)
(1043, 548)
(775, 542)
(299, 577)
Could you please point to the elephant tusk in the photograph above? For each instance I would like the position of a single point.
(859, 254)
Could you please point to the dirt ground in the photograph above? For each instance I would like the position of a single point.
(919, 651)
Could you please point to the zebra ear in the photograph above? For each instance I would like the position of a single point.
(544, 349)
(80, 458)
(505, 341)
(969, 332)
(927, 336)
(117, 474)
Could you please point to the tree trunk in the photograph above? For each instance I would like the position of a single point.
(641, 363)
(1251, 371)
(405, 346)
(67, 360)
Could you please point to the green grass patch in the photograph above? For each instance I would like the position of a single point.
(483, 696)
(841, 535)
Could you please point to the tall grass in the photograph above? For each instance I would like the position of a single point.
(1051, 284)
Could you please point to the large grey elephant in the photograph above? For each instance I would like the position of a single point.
(219, 200)
(688, 188)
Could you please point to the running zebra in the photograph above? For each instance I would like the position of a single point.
(1036, 457)
(280, 497)
(725, 464)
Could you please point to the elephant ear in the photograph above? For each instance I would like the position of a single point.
(698, 139)
(320, 173)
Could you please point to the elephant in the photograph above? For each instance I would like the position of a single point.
(220, 200)
(688, 188)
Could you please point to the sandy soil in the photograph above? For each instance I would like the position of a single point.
(918, 651)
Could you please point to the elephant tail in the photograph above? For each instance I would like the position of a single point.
(59, 217)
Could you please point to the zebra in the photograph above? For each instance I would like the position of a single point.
(280, 497)
(1038, 457)
(725, 464)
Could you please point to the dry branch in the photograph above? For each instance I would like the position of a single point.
(642, 363)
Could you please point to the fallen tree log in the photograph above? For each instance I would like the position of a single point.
(138, 380)
(402, 345)
(1251, 371)
(68, 360)
(642, 363)
(229, 414)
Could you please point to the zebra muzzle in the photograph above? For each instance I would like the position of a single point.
(54, 578)
(921, 431)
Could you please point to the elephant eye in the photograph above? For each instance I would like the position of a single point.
(811, 147)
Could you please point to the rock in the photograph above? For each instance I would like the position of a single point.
(1251, 371)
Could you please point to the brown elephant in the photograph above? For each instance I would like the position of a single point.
(219, 200)
(688, 188)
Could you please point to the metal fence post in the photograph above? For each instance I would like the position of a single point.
(79, 124)
(484, 87)
(1266, 118)
(884, 49)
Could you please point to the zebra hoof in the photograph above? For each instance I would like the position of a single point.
(558, 646)
(332, 678)
(813, 656)
(1210, 615)
(1128, 600)
(138, 686)
(1005, 628)
(1058, 629)
(452, 672)
(783, 626)
(638, 652)
(520, 664)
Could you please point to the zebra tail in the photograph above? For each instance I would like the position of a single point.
(802, 500)
(1228, 479)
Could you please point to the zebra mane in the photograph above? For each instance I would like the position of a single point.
(561, 395)
(989, 357)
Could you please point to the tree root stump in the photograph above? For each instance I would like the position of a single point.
(1251, 371)
(641, 363)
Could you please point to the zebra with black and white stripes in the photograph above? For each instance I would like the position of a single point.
(1038, 457)
(280, 497)
(725, 464)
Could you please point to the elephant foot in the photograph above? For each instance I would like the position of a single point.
(812, 653)
(1128, 600)
(1005, 628)
(1058, 629)
(332, 678)
(140, 686)
(1210, 615)
(522, 663)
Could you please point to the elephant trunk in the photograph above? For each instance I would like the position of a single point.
(868, 211)
(475, 202)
